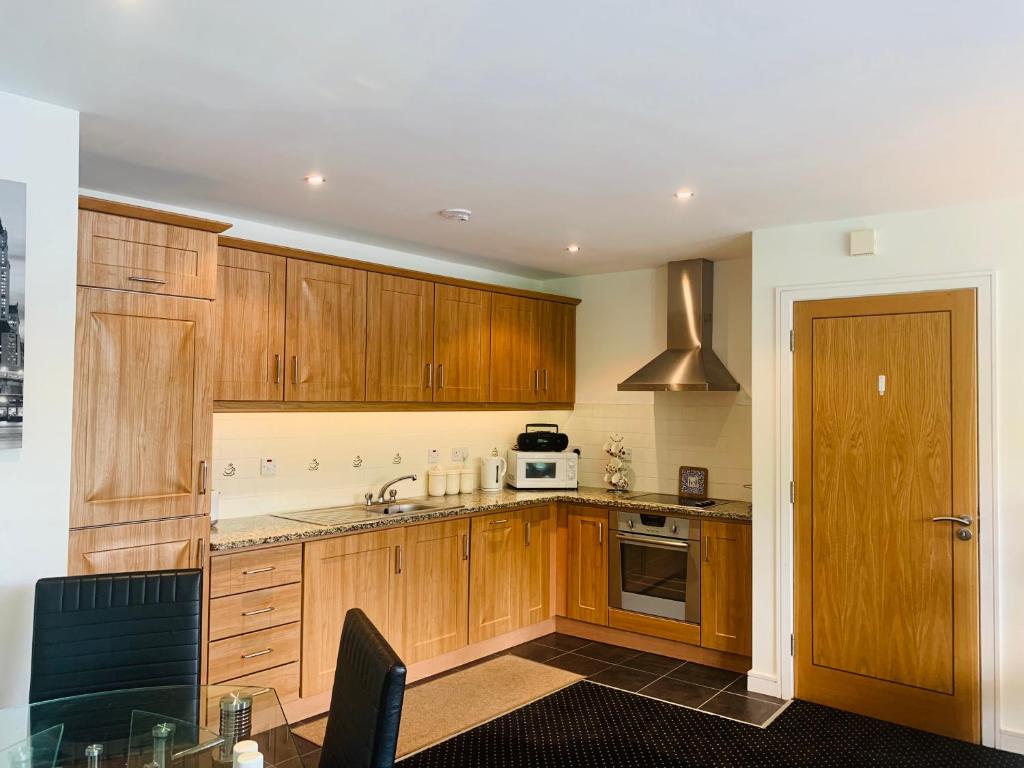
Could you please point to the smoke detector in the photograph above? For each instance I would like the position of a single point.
(456, 214)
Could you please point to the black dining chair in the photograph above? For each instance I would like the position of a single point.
(107, 632)
(366, 703)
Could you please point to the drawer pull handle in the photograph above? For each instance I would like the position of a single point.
(153, 280)
(498, 522)
(264, 652)
(268, 569)
(268, 609)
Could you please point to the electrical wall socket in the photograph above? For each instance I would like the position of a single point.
(433, 456)
(460, 454)
(268, 468)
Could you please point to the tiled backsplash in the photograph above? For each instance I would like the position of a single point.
(316, 454)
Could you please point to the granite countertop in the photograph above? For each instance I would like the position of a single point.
(257, 530)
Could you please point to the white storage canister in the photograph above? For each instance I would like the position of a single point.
(435, 481)
(467, 480)
(452, 480)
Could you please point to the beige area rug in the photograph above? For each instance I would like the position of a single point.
(439, 709)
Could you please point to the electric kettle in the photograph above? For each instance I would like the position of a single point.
(492, 473)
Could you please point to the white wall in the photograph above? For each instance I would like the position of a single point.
(912, 245)
(620, 326)
(39, 146)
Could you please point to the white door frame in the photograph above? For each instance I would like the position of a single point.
(985, 283)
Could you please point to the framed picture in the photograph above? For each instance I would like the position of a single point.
(693, 483)
(12, 313)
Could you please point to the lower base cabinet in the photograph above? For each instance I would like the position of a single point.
(587, 565)
(726, 587)
(161, 545)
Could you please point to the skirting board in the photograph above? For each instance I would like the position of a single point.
(1011, 741)
(767, 685)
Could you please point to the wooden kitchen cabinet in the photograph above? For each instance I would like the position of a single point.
(357, 571)
(557, 355)
(462, 344)
(587, 565)
(399, 339)
(248, 325)
(435, 586)
(325, 332)
(538, 531)
(726, 583)
(161, 545)
(141, 431)
(515, 324)
(495, 575)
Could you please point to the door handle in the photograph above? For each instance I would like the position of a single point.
(295, 369)
(201, 554)
(536, 379)
(600, 533)
(440, 375)
(203, 474)
(964, 520)
(707, 549)
(528, 532)
(277, 369)
(465, 546)
(430, 375)
(398, 558)
(545, 379)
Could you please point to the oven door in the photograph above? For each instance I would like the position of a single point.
(655, 576)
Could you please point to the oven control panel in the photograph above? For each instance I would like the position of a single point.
(662, 526)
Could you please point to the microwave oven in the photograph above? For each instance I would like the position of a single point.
(540, 470)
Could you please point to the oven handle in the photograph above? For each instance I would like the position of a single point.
(661, 544)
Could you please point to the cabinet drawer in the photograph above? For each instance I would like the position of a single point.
(136, 255)
(254, 652)
(251, 611)
(257, 569)
(284, 680)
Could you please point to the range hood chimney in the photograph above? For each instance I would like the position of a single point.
(689, 364)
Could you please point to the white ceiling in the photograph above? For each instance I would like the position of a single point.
(555, 121)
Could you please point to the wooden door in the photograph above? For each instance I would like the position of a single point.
(399, 339)
(248, 326)
(538, 527)
(153, 546)
(886, 440)
(142, 407)
(462, 344)
(496, 554)
(435, 581)
(325, 336)
(515, 353)
(587, 566)
(557, 338)
(725, 587)
(357, 571)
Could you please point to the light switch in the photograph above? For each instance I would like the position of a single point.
(862, 242)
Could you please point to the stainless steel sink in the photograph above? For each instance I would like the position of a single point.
(356, 512)
(399, 507)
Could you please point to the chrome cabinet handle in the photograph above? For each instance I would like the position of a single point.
(600, 533)
(153, 280)
(465, 546)
(268, 569)
(201, 554)
(707, 549)
(264, 652)
(268, 609)
(964, 520)
(528, 533)
(398, 558)
(498, 522)
(440, 375)
(430, 375)
(295, 369)
(277, 369)
(545, 379)
(536, 379)
(204, 471)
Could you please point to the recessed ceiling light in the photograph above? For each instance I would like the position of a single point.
(573, 248)
(683, 194)
(315, 179)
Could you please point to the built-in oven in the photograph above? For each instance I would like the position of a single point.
(654, 565)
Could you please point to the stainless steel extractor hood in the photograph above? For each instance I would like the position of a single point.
(689, 362)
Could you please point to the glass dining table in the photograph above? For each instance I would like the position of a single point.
(160, 727)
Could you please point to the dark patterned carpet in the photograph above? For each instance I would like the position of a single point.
(590, 725)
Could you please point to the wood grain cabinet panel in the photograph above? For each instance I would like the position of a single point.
(495, 573)
(325, 334)
(154, 546)
(236, 572)
(726, 584)
(248, 324)
(253, 652)
(587, 565)
(358, 571)
(146, 256)
(284, 680)
(251, 611)
(399, 339)
(515, 373)
(557, 356)
(462, 344)
(537, 535)
(142, 408)
(435, 587)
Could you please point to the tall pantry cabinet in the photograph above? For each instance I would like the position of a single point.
(143, 391)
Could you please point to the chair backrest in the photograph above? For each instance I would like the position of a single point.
(366, 703)
(125, 630)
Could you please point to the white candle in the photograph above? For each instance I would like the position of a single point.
(250, 760)
(242, 748)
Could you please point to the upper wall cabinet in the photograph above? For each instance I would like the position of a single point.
(248, 326)
(399, 339)
(325, 334)
(556, 376)
(515, 324)
(155, 253)
(462, 336)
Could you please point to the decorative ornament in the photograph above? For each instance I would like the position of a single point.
(617, 471)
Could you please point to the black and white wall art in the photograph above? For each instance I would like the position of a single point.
(12, 313)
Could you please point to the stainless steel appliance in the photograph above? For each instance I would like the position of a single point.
(542, 469)
(654, 565)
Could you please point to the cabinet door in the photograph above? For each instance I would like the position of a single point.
(399, 339)
(435, 586)
(495, 567)
(145, 256)
(557, 353)
(157, 546)
(325, 336)
(726, 583)
(535, 582)
(515, 374)
(462, 344)
(142, 407)
(358, 571)
(248, 326)
(587, 567)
